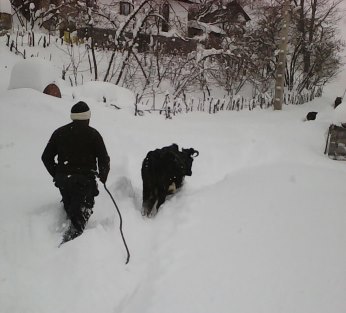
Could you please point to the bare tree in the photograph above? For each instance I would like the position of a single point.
(313, 56)
(316, 22)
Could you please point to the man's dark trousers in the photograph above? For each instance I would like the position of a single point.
(78, 192)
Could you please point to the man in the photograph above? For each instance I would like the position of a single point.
(81, 152)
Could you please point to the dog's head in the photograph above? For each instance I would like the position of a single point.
(188, 156)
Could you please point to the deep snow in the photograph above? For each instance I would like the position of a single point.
(260, 226)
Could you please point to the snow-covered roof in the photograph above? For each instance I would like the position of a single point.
(5, 6)
(227, 13)
(207, 28)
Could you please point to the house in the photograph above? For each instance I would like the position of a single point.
(226, 13)
(5, 15)
(216, 18)
(44, 12)
(167, 25)
(174, 13)
(172, 24)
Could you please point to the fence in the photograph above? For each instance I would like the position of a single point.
(214, 105)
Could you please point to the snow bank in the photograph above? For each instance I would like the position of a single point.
(106, 92)
(33, 73)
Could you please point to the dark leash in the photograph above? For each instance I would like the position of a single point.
(121, 223)
(342, 98)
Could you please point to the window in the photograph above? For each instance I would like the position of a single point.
(125, 8)
(165, 15)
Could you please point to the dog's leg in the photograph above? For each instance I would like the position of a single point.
(161, 198)
(148, 204)
(172, 188)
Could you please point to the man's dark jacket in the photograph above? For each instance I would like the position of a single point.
(80, 149)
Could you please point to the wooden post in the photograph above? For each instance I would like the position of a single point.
(280, 71)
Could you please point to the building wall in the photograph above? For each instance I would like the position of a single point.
(5, 15)
(179, 15)
(5, 21)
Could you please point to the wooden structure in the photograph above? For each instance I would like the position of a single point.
(5, 16)
(336, 143)
(52, 90)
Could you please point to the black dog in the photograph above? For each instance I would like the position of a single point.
(311, 116)
(163, 172)
(337, 101)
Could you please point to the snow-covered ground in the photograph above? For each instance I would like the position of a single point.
(260, 226)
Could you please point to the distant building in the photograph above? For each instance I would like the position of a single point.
(211, 25)
(5, 15)
(168, 31)
(176, 27)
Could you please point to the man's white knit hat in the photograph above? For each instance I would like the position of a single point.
(80, 112)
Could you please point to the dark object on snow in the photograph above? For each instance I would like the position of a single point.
(311, 116)
(52, 90)
(163, 172)
(337, 101)
(81, 152)
(336, 143)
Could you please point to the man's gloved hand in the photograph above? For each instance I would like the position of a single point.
(103, 173)
(103, 178)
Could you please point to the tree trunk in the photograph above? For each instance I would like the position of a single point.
(94, 56)
(280, 74)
